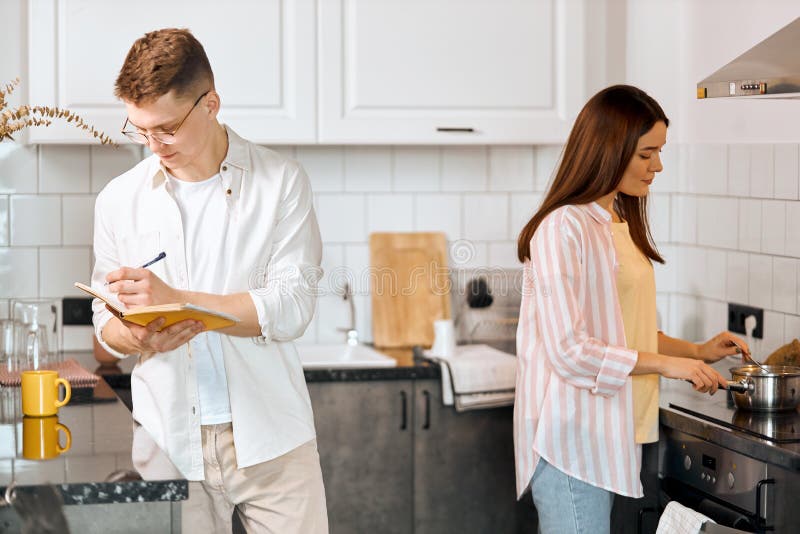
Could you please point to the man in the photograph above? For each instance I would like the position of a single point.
(237, 226)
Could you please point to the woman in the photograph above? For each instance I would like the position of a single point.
(589, 349)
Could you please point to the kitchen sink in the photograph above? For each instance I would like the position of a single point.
(342, 356)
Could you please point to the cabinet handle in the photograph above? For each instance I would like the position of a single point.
(427, 424)
(403, 410)
(447, 129)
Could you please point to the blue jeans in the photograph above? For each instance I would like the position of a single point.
(567, 505)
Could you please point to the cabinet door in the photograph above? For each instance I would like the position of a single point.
(262, 53)
(463, 468)
(449, 71)
(364, 438)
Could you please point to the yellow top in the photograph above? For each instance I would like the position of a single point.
(637, 297)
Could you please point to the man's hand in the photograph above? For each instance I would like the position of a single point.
(140, 287)
(721, 345)
(149, 339)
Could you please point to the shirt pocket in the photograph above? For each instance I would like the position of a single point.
(137, 249)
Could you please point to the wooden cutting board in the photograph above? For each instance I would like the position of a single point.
(410, 286)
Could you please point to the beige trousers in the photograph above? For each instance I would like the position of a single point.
(281, 496)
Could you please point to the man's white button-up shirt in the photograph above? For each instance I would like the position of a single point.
(274, 251)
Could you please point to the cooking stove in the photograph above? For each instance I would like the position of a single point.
(777, 427)
(731, 487)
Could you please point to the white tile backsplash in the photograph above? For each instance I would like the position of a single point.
(503, 254)
(716, 221)
(738, 277)
(77, 213)
(760, 281)
(342, 218)
(4, 221)
(324, 166)
(713, 316)
(367, 169)
(59, 268)
(784, 284)
(390, 213)
(739, 170)
(684, 219)
(19, 168)
(417, 169)
(438, 213)
(707, 169)
(773, 226)
(750, 224)
(511, 168)
(19, 273)
(773, 334)
(793, 229)
(109, 162)
(64, 169)
(547, 159)
(725, 217)
(762, 179)
(486, 217)
(464, 168)
(35, 220)
(786, 171)
(523, 207)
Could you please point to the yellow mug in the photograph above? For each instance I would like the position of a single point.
(40, 437)
(40, 393)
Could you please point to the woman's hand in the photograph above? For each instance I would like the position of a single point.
(721, 345)
(140, 287)
(703, 377)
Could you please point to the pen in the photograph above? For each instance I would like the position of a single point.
(151, 262)
(157, 258)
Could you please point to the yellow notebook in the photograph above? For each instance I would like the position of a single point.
(173, 313)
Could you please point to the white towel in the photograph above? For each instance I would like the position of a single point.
(679, 519)
(477, 376)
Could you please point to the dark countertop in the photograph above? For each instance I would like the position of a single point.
(99, 467)
(786, 455)
(408, 368)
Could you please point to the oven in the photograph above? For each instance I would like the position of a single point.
(733, 489)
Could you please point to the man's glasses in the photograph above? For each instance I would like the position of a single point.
(165, 138)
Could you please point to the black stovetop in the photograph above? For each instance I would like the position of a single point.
(778, 427)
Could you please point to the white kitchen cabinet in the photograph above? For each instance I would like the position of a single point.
(263, 53)
(450, 71)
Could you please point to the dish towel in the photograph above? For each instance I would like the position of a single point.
(679, 519)
(71, 370)
(477, 376)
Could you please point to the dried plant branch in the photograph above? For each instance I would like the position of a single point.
(15, 119)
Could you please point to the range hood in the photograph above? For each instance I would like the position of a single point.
(771, 69)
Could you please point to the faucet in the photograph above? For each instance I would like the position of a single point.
(352, 333)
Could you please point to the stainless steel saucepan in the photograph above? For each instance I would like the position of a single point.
(767, 388)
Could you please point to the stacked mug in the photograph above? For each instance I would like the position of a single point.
(29, 346)
(40, 404)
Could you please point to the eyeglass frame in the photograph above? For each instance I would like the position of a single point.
(129, 133)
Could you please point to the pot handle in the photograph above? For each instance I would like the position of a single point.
(742, 386)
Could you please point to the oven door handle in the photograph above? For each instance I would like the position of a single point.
(759, 508)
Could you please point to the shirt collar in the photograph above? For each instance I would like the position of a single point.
(237, 156)
(597, 211)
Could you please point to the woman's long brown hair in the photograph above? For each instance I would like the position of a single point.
(600, 146)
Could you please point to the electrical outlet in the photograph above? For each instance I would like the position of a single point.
(76, 311)
(737, 313)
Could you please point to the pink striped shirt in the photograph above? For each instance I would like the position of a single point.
(573, 395)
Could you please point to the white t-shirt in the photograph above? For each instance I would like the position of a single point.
(204, 215)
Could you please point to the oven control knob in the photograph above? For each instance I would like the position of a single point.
(731, 480)
(687, 462)
(713, 480)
